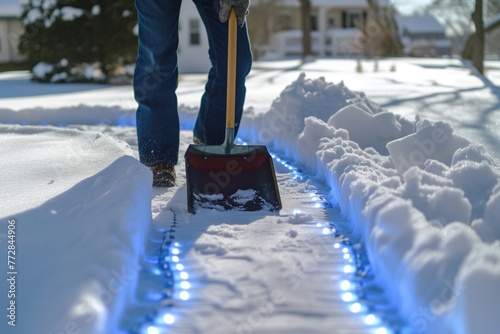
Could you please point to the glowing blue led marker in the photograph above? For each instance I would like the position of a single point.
(184, 295)
(168, 318)
(370, 319)
(185, 285)
(381, 330)
(356, 308)
(326, 231)
(349, 269)
(348, 297)
(345, 285)
(150, 329)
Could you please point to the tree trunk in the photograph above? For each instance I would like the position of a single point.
(468, 51)
(380, 32)
(306, 28)
(478, 54)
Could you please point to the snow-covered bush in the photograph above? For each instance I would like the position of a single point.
(89, 36)
(62, 72)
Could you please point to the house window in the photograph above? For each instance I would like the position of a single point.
(352, 19)
(331, 22)
(314, 23)
(194, 32)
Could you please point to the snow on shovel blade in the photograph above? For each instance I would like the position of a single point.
(243, 180)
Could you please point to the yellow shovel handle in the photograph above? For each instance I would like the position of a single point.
(231, 71)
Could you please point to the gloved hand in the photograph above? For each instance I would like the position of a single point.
(240, 7)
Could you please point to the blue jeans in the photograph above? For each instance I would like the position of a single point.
(156, 79)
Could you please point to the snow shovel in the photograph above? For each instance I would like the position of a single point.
(230, 176)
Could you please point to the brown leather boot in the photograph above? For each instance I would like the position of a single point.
(163, 175)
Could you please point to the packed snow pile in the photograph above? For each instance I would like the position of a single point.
(319, 99)
(422, 199)
(79, 203)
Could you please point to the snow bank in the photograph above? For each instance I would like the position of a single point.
(82, 114)
(77, 258)
(422, 199)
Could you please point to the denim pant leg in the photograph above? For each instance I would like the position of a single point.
(210, 124)
(155, 81)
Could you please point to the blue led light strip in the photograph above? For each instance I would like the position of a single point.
(358, 292)
(176, 284)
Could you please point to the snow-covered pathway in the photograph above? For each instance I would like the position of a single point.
(430, 231)
(252, 272)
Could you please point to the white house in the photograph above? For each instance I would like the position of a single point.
(193, 41)
(334, 26)
(11, 29)
(423, 36)
(334, 30)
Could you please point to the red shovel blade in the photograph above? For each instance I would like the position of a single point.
(244, 182)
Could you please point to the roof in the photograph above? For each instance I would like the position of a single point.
(423, 24)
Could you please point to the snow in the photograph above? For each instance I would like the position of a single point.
(69, 13)
(409, 159)
(69, 191)
(42, 69)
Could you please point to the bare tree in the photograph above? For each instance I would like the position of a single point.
(474, 48)
(306, 28)
(262, 20)
(380, 31)
(455, 14)
(478, 54)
